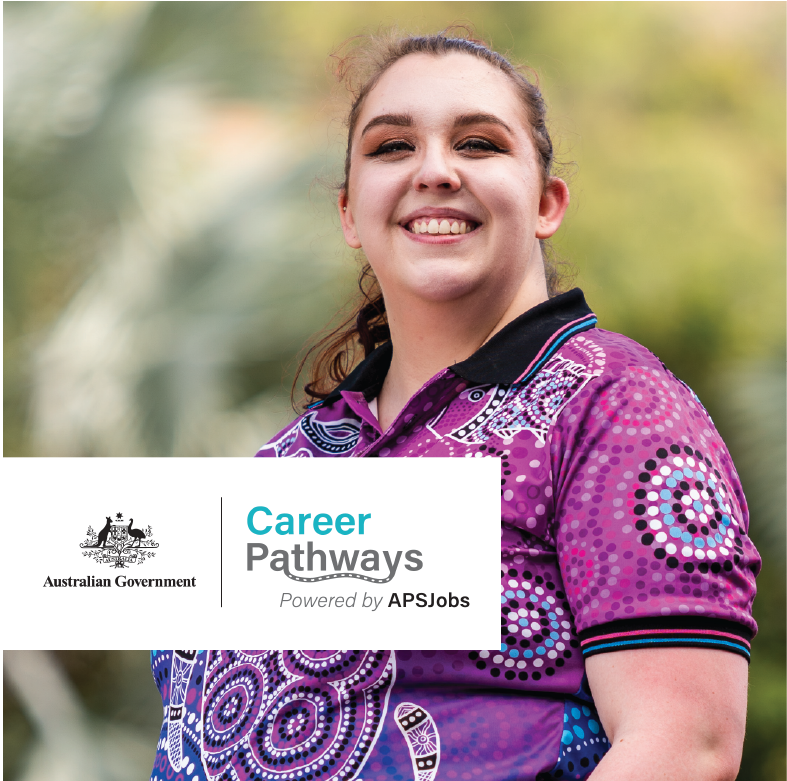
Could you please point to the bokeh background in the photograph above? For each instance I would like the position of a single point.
(171, 245)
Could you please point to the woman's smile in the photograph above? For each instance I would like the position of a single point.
(440, 225)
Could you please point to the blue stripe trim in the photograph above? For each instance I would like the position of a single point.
(646, 641)
(583, 326)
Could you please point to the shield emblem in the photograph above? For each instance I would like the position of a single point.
(118, 536)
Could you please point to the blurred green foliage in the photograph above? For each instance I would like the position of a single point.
(123, 712)
(170, 242)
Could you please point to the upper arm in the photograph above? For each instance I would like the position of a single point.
(683, 709)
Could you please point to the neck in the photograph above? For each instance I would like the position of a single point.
(427, 337)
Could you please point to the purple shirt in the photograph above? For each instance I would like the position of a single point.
(623, 525)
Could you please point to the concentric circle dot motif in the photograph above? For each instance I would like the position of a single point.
(293, 714)
(684, 511)
(537, 632)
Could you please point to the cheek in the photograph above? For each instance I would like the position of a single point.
(374, 197)
(513, 196)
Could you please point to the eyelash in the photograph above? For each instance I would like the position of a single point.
(390, 146)
(480, 144)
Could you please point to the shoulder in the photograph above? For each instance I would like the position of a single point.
(634, 403)
(613, 356)
(625, 373)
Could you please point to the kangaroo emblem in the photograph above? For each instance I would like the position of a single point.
(101, 540)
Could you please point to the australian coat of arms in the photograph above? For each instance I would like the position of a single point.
(118, 543)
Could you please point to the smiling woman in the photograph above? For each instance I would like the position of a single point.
(627, 576)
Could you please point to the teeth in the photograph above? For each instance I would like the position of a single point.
(441, 227)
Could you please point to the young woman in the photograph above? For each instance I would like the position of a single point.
(627, 574)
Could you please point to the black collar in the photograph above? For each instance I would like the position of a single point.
(514, 354)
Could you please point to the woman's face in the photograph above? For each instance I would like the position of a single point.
(445, 192)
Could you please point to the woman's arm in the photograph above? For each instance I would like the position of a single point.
(670, 713)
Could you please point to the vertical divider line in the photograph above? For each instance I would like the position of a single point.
(221, 551)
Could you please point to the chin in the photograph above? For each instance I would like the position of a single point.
(441, 285)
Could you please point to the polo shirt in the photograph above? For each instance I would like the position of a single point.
(623, 526)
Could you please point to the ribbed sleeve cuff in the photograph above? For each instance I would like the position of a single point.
(667, 632)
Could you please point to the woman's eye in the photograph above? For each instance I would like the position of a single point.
(478, 145)
(391, 147)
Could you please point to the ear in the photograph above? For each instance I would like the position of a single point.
(348, 223)
(552, 207)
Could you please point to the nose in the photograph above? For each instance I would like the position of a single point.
(436, 171)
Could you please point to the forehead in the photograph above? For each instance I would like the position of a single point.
(435, 87)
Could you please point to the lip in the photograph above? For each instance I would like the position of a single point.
(437, 213)
(439, 238)
(428, 213)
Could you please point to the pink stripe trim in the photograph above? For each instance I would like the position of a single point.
(546, 347)
(640, 632)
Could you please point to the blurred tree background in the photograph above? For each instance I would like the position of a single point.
(171, 244)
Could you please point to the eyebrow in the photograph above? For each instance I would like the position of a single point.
(480, 118)
(398, 120)
(463, 120)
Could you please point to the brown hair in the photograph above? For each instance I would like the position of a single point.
(360, 68)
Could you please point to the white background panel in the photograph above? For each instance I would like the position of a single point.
(448, 509)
